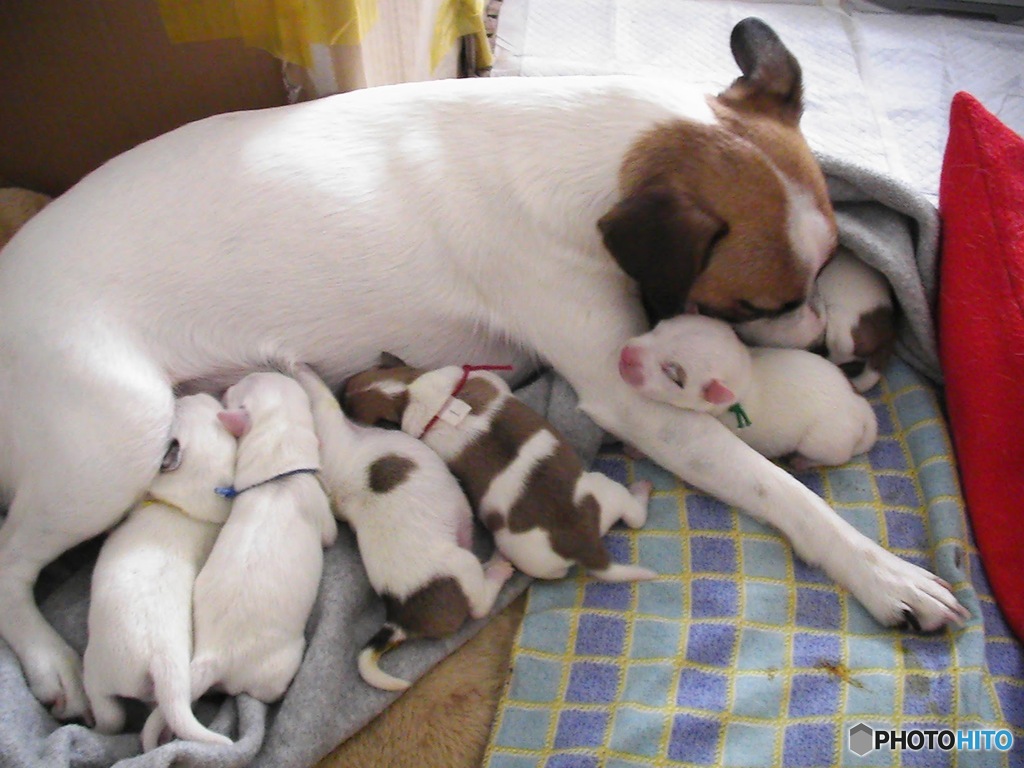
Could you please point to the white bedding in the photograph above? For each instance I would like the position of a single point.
(877, 85)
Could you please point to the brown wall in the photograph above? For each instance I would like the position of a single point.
(83, 80)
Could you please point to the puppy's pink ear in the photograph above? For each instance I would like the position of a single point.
(236, 421)
(716, 393)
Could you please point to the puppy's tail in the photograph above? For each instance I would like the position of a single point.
(387, 638)
(173, 693)
(624, 572)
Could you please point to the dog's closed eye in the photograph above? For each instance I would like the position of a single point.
(676, 373)
(172, 459)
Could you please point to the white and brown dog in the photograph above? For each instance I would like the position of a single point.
(850, 319)
(382, 219)
(528, 486)
(782, 402)
(140, 612)
(413, 525)
(254, 594)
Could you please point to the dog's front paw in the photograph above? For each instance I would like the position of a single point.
(54, 674)
(898, 593)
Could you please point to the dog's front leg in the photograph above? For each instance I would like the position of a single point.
(704, 453)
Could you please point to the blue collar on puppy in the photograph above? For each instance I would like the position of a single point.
(230, 492)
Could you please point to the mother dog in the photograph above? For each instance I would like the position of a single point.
(383, 219)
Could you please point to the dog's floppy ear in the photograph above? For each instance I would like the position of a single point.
(388, 360)
(771, 74)
(172, 458)
(236, 421)
(662, 239)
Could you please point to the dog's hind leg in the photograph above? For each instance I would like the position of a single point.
(108, 713)
(87, 449)
(480, 583)
(616, 501)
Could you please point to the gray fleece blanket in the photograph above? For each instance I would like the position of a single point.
(885, 222)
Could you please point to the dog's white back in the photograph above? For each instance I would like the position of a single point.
(140, 614)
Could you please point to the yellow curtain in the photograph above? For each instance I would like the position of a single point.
(289, 29)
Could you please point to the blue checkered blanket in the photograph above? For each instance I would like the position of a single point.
(741, 655)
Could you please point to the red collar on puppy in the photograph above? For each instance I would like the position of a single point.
(466, 370)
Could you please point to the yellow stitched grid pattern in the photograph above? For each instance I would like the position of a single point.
(739, 654)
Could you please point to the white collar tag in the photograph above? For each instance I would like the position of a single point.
(454, 411)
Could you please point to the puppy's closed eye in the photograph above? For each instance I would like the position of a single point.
(676, 373)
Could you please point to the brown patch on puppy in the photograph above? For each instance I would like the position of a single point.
(486, 457)
(478, 394)
(366, 403)
(493, 522)
(435, 610)
(547, 503)
(874, 337)
(388, 472)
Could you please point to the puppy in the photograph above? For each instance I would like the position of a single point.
(861, 318)
(781, 402)
(527, 485)
(413, 525)
(140, 615)
(850, 319)
(254, 594)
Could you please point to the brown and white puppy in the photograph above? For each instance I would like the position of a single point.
(860, 318)
(528, 486)
(850, 319)
(294, 233)
(413, 525)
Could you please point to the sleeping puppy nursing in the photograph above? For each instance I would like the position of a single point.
(413, 525)
(140, 612)
(330, 230)
(527, 485)
(782, 402)
(253, 596)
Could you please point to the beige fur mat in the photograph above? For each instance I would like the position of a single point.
(444, 720)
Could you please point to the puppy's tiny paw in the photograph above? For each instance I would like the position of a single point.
(499, 570)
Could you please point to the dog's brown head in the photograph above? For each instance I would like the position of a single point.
(731, 218)
(379, 394)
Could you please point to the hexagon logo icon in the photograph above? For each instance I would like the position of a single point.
(861, 739)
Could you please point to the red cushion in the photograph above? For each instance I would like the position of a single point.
(981, 336)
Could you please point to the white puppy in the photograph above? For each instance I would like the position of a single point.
(850, 319)
(413, 525)
(140, 615)
(527, 484)
(861, 324)
(253, 597)
(781, 402)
